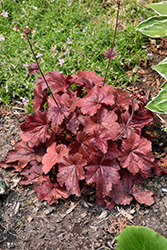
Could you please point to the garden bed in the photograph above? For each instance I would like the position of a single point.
(78, 222)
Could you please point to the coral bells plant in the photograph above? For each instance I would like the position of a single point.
(84, 133)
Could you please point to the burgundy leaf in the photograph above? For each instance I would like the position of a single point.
(108, 120)
(123, 100)
(95, 99)
(71, 171)
(160, 167)
(56, 80)
(51, 192)
(34, 69)
(141, 117)
(53, 156)
(75, 119)
(129, 128)
(58, 113)
(121, 192)
(33, 174)
(104, 201)
(135, 154)
(100, 136)
(83, 146)
(109, 55)
(39, 97)
(14, 165)
(24, 154)
(104, 173)
(142, 197)
(112, 152)
(36, 126)
(88, 79)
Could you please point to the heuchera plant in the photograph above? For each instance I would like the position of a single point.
(84, 133)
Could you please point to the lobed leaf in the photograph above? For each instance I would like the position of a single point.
(104, 173)
(33, 174)
(36, 126)
(71, 171)
(25, 154)
(95, 99)
(34, 69)
(51, 192)
(55, 80)
(135, 154)
(54, 154)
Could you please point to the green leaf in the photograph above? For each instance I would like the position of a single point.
(164, 85)
(159, 103)
(154, 27)
(160, 8)
(161, 68)
(140, 238)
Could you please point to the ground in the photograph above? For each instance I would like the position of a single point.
(78, 222)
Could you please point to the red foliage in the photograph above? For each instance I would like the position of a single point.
(108, 54)
(34, 69)
(96, 138)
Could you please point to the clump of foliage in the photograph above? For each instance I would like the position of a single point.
(84, 132)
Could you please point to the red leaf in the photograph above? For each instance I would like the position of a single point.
(141, 117)
(142, 197)
(95, 99)
(100, 136)
(32, 174)
(104, 201)
(104, 173)
(135, 154)
(34, 69)
(108, 120)
(108, 54)
(56, 80)
(71, 171)
(123, 100)
(51, 192)
(105, 119)
(36, 126)
(83, 146)
(53, 156)
(88, 79)
(112, 152)
(25, 154)
(58, 113)
(75, 119)
(160, 167)
(39, 97)
(121, 192)
(14, 165)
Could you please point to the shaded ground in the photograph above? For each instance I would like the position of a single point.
(79, 223)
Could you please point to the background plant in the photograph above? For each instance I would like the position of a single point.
(140, 238)
(156, 27)
(70, 36)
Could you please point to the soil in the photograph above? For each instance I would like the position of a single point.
(78, 222)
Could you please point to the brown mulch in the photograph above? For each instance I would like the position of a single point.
(78, 222)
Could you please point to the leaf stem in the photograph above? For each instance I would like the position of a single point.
(41, 70)
(116, 25)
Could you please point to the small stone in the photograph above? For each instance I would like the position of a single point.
(164, 190)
